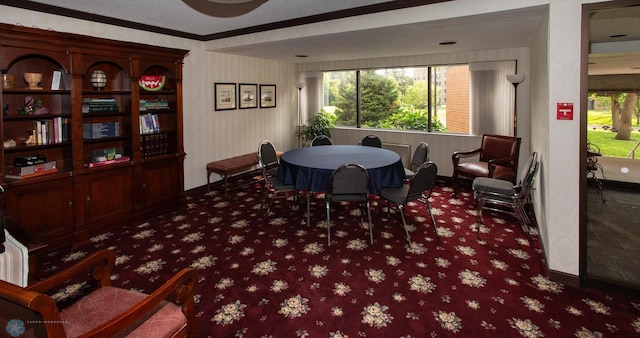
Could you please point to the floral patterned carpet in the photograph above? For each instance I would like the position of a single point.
(277, 277)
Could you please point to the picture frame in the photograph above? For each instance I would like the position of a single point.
(225, 96)
(247, 95)
(267, 96)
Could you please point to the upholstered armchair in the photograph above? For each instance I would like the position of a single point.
(104, 312)
(497, 158)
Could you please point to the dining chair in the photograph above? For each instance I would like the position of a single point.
(104, 310)
(349, 183)
(268, 157)
(505, 197)
(321, 140)
(371, 141)
(497, 157)
(274, 189)
(419, 189)
(420, 155)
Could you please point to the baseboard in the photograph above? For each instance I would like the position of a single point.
(563, 278)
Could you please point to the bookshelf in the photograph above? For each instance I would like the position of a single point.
(105, 169)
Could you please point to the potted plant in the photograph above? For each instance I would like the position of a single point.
(317, 125)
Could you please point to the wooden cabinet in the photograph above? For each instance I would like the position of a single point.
(116, 146)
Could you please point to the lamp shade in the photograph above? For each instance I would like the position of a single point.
(300, 85)
(515, 78)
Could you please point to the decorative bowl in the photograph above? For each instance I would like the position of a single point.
(33, 79)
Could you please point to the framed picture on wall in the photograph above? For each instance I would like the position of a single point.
(225, 96)
(267, 96)
(247, 95)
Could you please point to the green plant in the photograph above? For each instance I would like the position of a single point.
(317, 125)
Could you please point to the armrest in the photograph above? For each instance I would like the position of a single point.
(182, 284)
(498, 161)
(455, 157)
(34, 301)
(100, 264)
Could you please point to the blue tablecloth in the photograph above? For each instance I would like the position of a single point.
(311, 168)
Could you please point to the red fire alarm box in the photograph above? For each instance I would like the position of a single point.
(564, 111)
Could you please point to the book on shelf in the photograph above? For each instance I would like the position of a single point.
(154, 144)
(153, 104)
(100, 130)
(55, 80)
(149, 124)
(51, 131)
(36, 174)
(107, 162)
(30, 171)
(100, 105)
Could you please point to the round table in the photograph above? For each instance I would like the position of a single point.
(310, 168)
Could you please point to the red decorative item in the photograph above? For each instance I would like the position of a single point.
(152, 83)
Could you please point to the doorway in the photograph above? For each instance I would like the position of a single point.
(610, 234)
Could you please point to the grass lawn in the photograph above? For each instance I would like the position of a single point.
(605, 139)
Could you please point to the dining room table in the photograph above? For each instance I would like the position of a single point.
(310, 168)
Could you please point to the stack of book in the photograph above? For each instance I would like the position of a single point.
(35, 170)
(154, 104)
(99, 105)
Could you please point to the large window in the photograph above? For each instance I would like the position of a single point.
(430, 98)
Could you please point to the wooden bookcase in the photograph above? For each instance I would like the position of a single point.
(108, 173)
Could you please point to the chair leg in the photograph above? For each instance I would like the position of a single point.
(404, 223)
(328, 207)
(523, 218)
(308, 208)
(370, 224)
(454, 182)
(479, 206)
(433, 220)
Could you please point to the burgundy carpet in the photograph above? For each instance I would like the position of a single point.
(278, 278)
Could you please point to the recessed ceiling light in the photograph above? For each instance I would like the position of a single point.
(302, 56)
(446, 43)
(635, 67)
(617, 35)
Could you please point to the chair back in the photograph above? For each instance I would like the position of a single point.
(267, 155)
(420, 155)
(528, 176)
(424, 180)
(321, 140)
(500, 146)
(350, 182)
(371, 141)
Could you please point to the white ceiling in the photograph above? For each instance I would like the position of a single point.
(610, 55)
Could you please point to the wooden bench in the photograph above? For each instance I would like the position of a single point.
(229, 167)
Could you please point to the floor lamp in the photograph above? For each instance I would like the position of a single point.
(300, 85)
(515, 79)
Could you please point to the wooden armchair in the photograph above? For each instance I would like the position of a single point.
(105, 312)
(497, 158)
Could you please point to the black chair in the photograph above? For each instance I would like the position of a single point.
(349, 183)
(418, 189)
(420, 156)
(321, 140)
(503, 196)
(371, 141)
(275, 189)
(268, 157)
